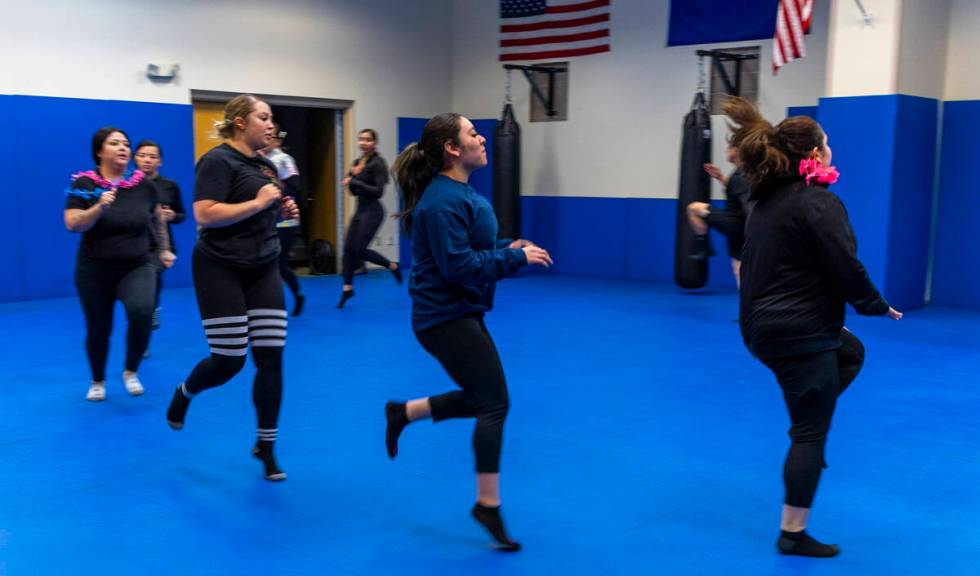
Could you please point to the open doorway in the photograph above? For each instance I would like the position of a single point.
(315, 138)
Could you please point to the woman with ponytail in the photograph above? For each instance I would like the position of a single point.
(456, 262)
(799, 269)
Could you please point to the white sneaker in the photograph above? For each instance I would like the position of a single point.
(96, 392)
(133, 385)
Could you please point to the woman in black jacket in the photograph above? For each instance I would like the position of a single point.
(799, 269)
(366, 180)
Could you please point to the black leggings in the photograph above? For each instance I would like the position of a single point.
(242, 306)
(811, 385)
(99, 285)
(363, 226)
(467, 352)
(287, 237)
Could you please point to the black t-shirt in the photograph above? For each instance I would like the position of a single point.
(122, 233)
(226, 175)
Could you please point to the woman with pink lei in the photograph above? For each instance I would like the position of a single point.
(116, 212)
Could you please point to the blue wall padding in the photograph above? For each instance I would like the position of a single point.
(912, 193)
(12, 239)
(884, 147)
(53, 142)
(620, 238)
(956, 272)
(810, 111)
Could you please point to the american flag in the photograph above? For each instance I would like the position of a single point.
(792, 22)
(547, 29)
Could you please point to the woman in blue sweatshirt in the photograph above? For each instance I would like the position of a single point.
(456, 263)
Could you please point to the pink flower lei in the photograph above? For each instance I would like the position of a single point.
(134, 178)
(813, 169)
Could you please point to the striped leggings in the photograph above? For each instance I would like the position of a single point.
(241, 307)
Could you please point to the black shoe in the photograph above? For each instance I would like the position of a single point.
(298, 305)
(344, 297)
(178, 409)
(490, 518)
(263, 452)
(802, 544)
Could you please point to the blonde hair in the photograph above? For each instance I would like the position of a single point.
(238, 107)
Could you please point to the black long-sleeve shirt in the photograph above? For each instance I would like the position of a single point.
(168, 194)
(369, 185)
(799, 268)
(731, 220)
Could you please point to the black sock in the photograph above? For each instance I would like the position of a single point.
(263, 451)
(178, 408)
(491, 520)
(397, 419)
(344, 297)
(802, 544)
(397, 273)
(298, 305)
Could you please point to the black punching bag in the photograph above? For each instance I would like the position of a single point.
(507, 175)
(695, 186)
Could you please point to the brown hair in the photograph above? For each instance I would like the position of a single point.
(420, 161)
(766, 151)
(238, 107)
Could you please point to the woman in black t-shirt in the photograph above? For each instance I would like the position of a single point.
(237, 202)
(116, 213)
(366, 180)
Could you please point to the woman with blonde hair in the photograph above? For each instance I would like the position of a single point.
(237, 202)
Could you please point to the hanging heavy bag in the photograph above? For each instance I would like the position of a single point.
(507, 174)
(690, 258)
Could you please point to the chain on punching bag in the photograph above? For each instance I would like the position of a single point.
(507, 172)
(691, 271)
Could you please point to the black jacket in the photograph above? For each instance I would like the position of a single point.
(799, 268)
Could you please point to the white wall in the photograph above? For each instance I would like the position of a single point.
(962, 77)
(626, 107)
(922, 53)
(390, 57)
(862, 59)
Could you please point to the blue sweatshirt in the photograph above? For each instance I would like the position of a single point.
(456, 257)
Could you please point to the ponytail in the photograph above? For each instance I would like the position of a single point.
(766, 151)
(420, 161)
(413, 173)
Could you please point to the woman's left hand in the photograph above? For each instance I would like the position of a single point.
(167, 258)
(521, 243)
(345, 181)
(289, 210)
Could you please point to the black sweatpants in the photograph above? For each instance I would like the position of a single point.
(99, 285)
(811, 385)
(363, 226)
(241, 306)
(467, 352)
